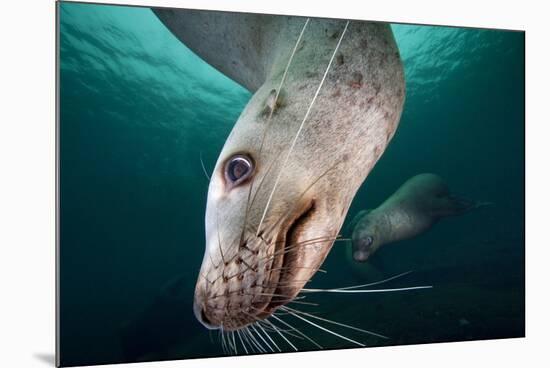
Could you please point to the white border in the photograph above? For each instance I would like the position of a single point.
(27, 184)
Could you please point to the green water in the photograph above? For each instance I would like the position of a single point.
(137, 108)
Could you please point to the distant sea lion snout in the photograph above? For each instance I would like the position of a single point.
(412, 210)
(362, 249)
(366, 237)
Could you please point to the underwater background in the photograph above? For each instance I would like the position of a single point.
(137, 111)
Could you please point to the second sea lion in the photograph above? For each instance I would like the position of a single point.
(413, 209)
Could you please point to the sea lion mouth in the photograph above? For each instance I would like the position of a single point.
(249, 287)
(289, 259)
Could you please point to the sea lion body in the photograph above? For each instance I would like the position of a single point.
(303, 149)
(412, 210)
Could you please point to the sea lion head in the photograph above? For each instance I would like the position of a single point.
(366, 238)
(326, 101)
(289, 170)
(269, 221)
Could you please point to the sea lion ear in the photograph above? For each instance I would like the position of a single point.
(272, 102)
(348, 229)
(271, 99)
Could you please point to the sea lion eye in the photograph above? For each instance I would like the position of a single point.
(238, 169)
(369, 240)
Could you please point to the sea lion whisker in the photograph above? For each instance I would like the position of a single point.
(298, 331)
(267, 335)
(272, 294)
(245, 339)
(265, 325)
(253, 340)
(228, 293)
(289, 283)
(206, 278)
(271, 257)
(212, 261)
(228, 341)
(274, 285)
(234, 343)
(304, 303)
(377, 282)
(219, 238)
(222, 275)
(268, 171)
(280, 334)
(225, 340)
(222, 340)
(290, 249)
(311, 239)
(232, 347)
(365, 291)
(289, 152)
(326, 329)
(262, 322)
(253, 346)
(253, 327)
(281, 312)
(299, 267)
(285, 331)
(334, 322)
(236, 254)
(342, 239)
(247, 265)
(242, 343)
(268, 124)
(296, 246)
(300, 244)
(265, 345)
(239, 291)
(284, 300)
(278, 90)
(247, 208)
(203, 167)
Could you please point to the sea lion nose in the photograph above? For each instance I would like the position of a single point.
(202, 317)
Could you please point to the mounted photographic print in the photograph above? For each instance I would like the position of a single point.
(235, 183)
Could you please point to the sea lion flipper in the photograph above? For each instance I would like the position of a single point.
(230, 42)
(454, 205)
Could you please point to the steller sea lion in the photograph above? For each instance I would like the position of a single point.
(327, 98)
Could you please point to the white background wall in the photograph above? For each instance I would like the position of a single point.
(27, 181)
